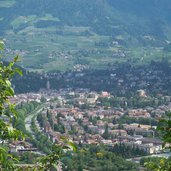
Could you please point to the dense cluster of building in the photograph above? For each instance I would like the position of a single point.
(85, 121)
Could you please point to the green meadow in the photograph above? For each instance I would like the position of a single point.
(45, 44)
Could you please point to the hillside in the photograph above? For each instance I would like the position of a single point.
(60, 35)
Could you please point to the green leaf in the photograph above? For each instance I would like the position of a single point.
(11, 64)
(8, 83)
(2, 45)
(72, 146)
(63, 138)
(19, 71)
(16, 58)
(9, 91)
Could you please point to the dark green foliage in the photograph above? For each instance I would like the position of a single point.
(106, 134)
(22, 84)
(40, 119)
(145, 121)
(28, 158)
(40, 141)
(96, 158)
(106, 82)
(127, 151)
(59, 128)
(23, 110)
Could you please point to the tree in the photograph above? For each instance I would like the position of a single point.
(58, 151)
(164, 128)
(106, 134)
(7, 110)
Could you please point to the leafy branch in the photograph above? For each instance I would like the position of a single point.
(58, 151)
(164, 128)
(7, 110)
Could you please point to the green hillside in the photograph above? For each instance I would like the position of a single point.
(67, 34)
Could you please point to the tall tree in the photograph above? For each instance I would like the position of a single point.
(7, 110)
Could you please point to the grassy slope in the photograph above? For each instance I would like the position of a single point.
(76, 27)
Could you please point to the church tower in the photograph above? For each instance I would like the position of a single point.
(48, 85)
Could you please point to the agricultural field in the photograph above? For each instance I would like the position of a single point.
(47, 41)
(61, 49)
(55, 48)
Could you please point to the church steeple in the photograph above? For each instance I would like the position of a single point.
(48, 85)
